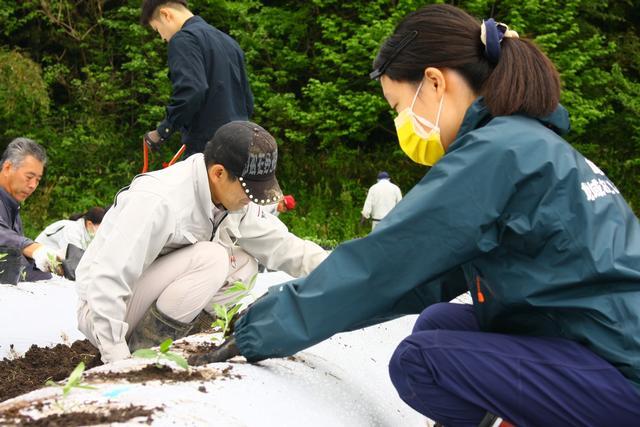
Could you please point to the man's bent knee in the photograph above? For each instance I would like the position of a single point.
(209, 254)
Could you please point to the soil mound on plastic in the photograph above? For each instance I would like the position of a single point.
(22, 375)
(163, 373)
(70, 419)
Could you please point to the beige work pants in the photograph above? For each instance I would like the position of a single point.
(184, 282)
(189, 280)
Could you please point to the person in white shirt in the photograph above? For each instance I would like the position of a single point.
(176, 239)
(78, 230)
(381, 198)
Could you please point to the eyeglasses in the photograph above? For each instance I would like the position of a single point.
(408, 38)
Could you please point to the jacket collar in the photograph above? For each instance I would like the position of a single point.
(201, 183)
(478, 115)
(12, 204)
(194, 19)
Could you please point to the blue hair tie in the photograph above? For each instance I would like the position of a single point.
(491, 34)
(492, 38)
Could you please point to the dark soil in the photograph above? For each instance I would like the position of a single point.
(70, 419)
(39, 364)
(162, 372)
(196, 349)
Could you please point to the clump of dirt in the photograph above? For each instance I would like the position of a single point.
(22, 375)
(152, 372)
(196, 349)
(161, 372)
(71, 419)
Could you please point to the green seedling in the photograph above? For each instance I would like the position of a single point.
(54, 262)
(74, 381)
(225, 312)
(223, 318)
(2, 256)
(163, 353)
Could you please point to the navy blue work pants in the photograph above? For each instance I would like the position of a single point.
(452, 373)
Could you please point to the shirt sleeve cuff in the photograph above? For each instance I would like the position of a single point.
(165, 129)
(26, 242)
(116, 352)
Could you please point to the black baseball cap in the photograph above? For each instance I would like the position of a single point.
(249, 152)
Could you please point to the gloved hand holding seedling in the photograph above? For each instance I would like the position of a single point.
(47, 259)
(226, 351)
(225, 312)
(225, 319)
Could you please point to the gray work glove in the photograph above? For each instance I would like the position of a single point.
(225, 352)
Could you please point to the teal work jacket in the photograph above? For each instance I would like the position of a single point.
(511, 212)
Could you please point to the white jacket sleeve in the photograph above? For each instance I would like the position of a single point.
(76, 234)
(52, 235)
(129, 240)
(265, 237)
(368, 205)
(59, 234)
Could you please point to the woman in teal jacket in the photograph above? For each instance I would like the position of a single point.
(540, 236)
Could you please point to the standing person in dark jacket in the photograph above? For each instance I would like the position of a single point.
(541, 237)
(23, 163)
(206, 67)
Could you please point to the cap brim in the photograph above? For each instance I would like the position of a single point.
(265, 192)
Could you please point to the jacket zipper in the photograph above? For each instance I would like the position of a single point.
(479, 293)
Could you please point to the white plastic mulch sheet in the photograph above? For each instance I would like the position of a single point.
(342, 381)
(40, 313)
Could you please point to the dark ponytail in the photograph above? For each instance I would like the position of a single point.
(94, 215)
(523, 80)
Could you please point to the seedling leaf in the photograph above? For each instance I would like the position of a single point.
(220, 310)
(180, 361)
(236, 287)
(165, 345)
(76, 375)
(146, 353)
(233, 311)
(252, 281)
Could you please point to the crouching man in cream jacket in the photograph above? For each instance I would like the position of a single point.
(176, 238)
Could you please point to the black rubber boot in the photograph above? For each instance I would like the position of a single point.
(202, 322)
(154, 328)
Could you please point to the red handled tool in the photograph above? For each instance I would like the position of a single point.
(145, 157)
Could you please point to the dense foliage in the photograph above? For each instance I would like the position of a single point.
(86, 80)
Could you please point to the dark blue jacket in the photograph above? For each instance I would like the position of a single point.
(525, 219)
(12, 234)
(210, 85)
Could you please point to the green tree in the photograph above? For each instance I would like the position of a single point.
(24, 100)
(105, 83)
